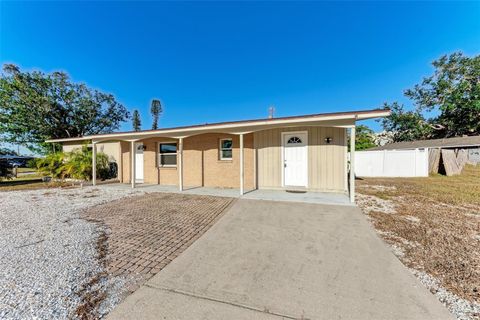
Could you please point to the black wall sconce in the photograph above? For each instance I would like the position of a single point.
(328, 140)
(144, 147)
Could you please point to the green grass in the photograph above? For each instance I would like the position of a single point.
(24, 181)
(23, 170)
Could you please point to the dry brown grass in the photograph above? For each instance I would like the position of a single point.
(33, 184)
(436, 223)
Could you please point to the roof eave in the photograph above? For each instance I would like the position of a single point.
(235, 127)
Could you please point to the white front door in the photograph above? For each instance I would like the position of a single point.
(295, 159)
(139, 162)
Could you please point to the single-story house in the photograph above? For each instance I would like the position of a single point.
(306, 152)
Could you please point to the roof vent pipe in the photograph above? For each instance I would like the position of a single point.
(271, 111)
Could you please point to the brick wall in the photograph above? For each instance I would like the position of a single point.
(201, 162)
(202, 151)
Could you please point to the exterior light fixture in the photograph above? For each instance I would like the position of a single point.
(328, 140)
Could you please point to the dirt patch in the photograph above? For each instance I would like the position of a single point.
(93, 294)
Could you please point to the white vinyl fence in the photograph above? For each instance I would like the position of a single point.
(392, 163)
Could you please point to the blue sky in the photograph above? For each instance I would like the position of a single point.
(218, 61)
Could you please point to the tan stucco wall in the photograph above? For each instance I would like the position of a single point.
(111, 149)
(199, 152)
(125, 163)
(326, 162)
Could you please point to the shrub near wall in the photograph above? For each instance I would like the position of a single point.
(76, 164)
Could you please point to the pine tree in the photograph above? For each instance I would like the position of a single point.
(136, 123)
(156, 110)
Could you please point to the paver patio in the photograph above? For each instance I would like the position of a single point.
(145, 233)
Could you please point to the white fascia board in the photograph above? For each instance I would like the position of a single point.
(240, 126)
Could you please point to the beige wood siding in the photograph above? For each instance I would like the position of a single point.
(326, 162)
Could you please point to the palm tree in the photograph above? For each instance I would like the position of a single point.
(79, 164)
(156, 110)
(136, 123)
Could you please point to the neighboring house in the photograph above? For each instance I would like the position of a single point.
(466, 142)
(301, 152)
(456, 151)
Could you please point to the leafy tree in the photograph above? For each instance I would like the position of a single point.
(156, 110)
(136, 123)
(406, 125)
(364, 138)
(35, 106)
(452, 92)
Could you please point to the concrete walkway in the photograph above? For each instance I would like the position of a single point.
(280, 260)
(260, 194)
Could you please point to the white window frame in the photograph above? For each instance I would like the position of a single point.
(169, 153)
(220, 149)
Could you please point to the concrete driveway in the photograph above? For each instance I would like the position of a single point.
(281, 260)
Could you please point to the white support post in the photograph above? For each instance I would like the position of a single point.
(94, 163)
(345, 161)
(132, 166)
(352, 164)
(120, 163)
(241, 165)
(180, 164)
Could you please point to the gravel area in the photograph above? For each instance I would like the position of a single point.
(370, 203)
(48, 254)
(461, 308)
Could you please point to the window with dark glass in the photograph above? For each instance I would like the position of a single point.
(168, 154)
(225, 149)
(293, 140)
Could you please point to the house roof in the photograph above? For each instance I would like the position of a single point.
(243, 126)
(456, 142)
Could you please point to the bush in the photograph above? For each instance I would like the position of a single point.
(79, 164)
(52, 165)
(76, 165)
(6, 171)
